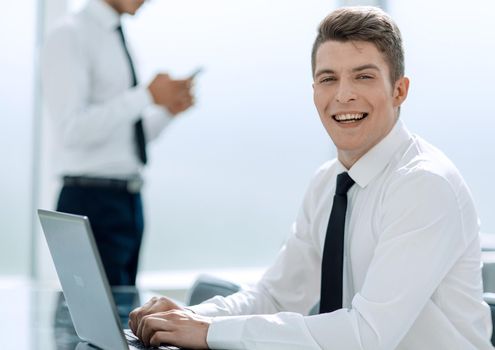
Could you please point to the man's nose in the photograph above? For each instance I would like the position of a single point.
(345, 92)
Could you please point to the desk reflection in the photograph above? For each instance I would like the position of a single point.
(38, 318)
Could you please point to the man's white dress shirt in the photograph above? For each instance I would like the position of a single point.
(412, 271)
(86, 82)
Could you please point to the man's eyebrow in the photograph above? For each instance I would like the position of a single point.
(354, 70)
(324, 71)
(364, 67)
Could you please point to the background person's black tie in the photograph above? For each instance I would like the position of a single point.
(138, 126)
(333, 252)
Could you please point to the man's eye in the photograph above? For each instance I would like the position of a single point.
(364, 76)
(327, 80)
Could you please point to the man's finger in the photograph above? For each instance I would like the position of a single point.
(133, 320)
(138, 313)
(162, 337)
(143, 324)
(153, 324)
(139, 330)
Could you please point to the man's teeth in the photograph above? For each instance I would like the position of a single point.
(350, 117)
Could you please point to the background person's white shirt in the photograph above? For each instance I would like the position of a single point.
(86, 83)
(412, 271)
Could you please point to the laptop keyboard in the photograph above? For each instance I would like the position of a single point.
(134, 341)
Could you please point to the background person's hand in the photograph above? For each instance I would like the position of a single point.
(175, 95)
(154, 305)
(177, 327)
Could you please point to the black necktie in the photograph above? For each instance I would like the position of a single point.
(138, 126)
(333, 252)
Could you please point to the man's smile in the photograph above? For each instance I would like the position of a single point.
(347, 118)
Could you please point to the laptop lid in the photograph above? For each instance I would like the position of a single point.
(84, 283)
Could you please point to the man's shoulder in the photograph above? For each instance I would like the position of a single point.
(423, 188)
(77, 24)
(69, 26)
(421, 153)
(421, 161)
(74, 32)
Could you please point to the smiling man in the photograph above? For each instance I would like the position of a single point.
(386, 239)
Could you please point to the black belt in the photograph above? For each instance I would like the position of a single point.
(130, 185)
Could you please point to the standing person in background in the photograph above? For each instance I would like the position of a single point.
(103, 118)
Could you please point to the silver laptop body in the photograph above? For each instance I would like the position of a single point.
(83, 279)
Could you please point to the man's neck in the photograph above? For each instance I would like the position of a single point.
(113, 5)
(348, 159)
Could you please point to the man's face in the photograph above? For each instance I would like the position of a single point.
(126, 6)
(355, 99)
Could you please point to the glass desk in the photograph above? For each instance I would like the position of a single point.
(32, 317)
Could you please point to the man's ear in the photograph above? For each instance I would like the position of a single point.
(401, 89)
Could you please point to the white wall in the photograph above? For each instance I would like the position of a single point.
(17, 43)
(22, 184)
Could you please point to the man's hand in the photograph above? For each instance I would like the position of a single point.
(175, 95)
(177, 327)
(154, 305)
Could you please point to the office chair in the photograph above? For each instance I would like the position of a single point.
(490, 300)
(207, 286)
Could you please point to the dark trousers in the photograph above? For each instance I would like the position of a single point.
(116, 218)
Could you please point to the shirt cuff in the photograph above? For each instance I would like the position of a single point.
(226, 332)
(140, 98)
(337, 329)
(147, 95)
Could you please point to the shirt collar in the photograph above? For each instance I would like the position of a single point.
(378, 157)
(103, 13)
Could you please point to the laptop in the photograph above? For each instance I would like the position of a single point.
(84, 282)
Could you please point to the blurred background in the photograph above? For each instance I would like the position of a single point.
(226, 180)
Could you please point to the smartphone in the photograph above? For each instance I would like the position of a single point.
(195, 73)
